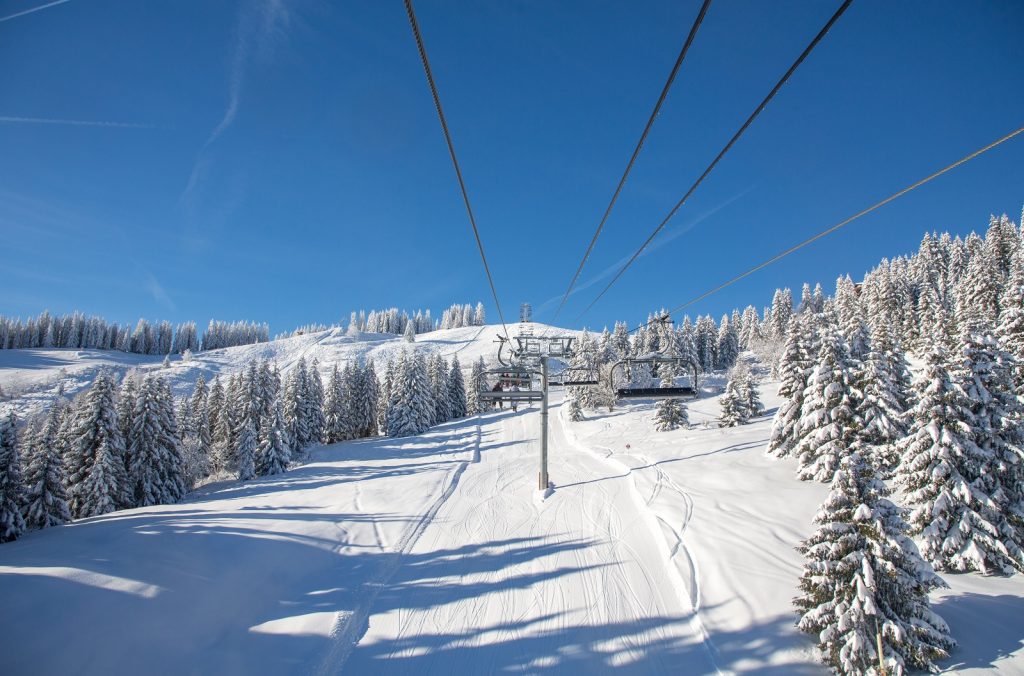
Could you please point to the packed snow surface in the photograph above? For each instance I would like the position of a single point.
(656, 552)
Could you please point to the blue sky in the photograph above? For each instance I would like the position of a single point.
(282, 162)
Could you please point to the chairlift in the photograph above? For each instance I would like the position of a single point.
(576, 376)
(691, 391)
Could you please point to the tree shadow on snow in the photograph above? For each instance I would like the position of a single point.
(988, 628)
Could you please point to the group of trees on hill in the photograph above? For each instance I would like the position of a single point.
(160, 338)
(949, 436)
(398, 322)
(132, 445)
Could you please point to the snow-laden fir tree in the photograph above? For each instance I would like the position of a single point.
(196, 437)
(126, 397)
(313, 404)
(95, 457)
(746, 386)
(977, 307)
(864, 582)
(941, 473)
(235, 402)
(670, 413)
(384, 403)
(457, 390)
(985, 374)
(734, 412)
(369, 399)
(12, 486)
(828, 421)
(335, 414)
(155, 462)
(794, 371)
(1011, 317)
(46, 499)
(411, 410)
(881, 406)
(410, 333)
(573, 408)
(214, 408)
(296, 409)
(477, 382)
(272, 454)
(438, 370)
(728, 343)
(246, 452)
(357, 407)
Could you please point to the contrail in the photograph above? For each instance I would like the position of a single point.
(77, 123)
(34, 9)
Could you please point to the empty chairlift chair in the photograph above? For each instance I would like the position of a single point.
(691, 391)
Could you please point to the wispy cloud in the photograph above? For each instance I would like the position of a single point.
(158, 292)
(32, 10)
(654, 246)
(258, 32)
(9, 119)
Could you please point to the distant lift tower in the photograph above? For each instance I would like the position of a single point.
(529, 357)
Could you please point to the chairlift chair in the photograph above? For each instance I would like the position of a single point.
(691, 391)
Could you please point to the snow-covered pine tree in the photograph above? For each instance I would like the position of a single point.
(477, 383)
(985, 374)
(334, 411)
(746, 387)
(154, 469)
(246, 452)
(95, 460)
(728, 343)
(410, 333)
(214, 407)
(12, 485)
(977, 306)
(369, 399)
(386, 394)
(865, 582)
(129, 392)
(295, 408)
(794, 371)
(573, 408)
(881, 405)
(940, 473)
(670, 414)
(272, 454)
(828, 421)
(439, 384)
(313, 404)
(46, 498)
(197, 442)
(457, 390)
(1011, 316)
(733, 410)
(354, 408)
(411, 409)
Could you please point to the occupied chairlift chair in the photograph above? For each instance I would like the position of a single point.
(508, 377)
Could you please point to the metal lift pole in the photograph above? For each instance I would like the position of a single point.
(543, 482)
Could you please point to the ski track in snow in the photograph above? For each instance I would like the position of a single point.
(349, 626)
(688, 584)
(607, 576)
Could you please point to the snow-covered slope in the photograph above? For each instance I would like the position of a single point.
(657, 552)
(29, 379)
